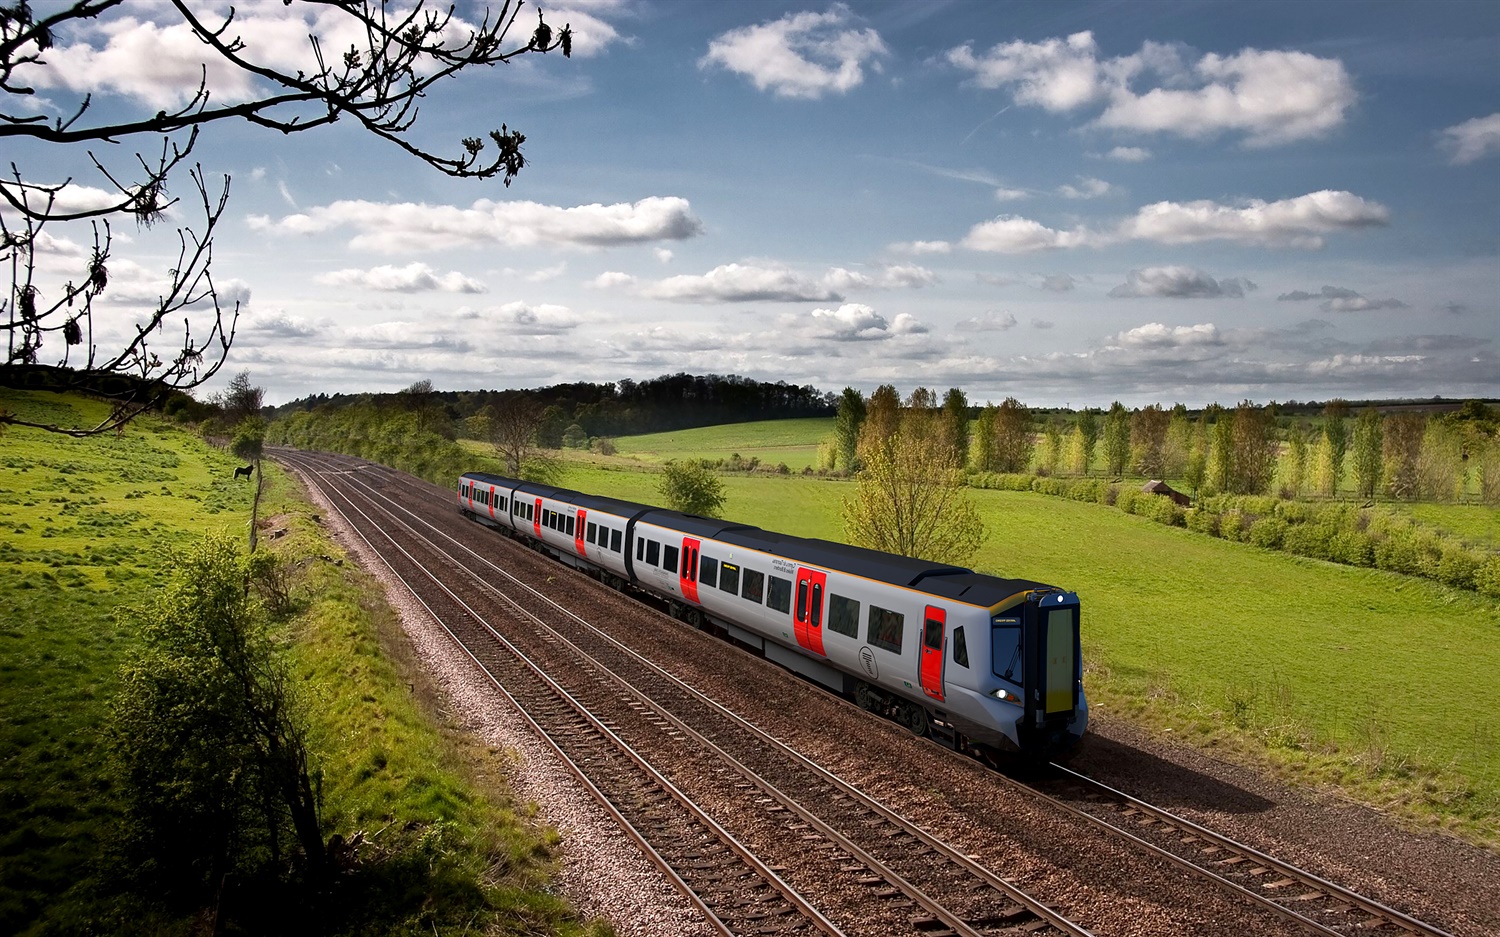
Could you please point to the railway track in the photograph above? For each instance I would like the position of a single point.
(1323, 907)
(667, 760)
(1308, 901)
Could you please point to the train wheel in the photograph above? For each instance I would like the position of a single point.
(914, 717)
(862, 697)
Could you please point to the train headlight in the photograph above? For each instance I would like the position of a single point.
(1005, 695)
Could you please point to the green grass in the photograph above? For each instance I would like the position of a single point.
(1477, 524)
(84, 526)
(1375, 682)
(794, 442)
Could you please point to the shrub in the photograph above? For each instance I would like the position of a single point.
(1314, 540)
(1354, 547)
(1487, 577)
(1234, 525)
(1126, 498)
(1409, 551)
(1204, 522)
(1457, 566)
(1109, 494)
(1268, 532)
(1162, 510)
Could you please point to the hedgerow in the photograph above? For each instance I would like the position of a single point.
(1337, 532)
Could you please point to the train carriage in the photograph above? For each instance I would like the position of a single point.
(987, 662)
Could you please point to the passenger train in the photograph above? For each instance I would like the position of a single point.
(989, 665)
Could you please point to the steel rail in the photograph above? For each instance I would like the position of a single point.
(749, 858)
(940, 846)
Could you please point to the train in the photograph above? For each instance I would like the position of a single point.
(988, 665)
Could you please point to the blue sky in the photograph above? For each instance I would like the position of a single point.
(1065, 203)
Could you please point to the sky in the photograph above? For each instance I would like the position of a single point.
(1066, 203)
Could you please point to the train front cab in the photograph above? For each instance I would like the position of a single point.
(1054, 711)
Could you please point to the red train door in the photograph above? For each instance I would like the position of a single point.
(687, 577)
(808, 609)
(492, 502)
(536, 520)
(934, 628)
(578, 532)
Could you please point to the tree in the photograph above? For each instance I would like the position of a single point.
(1441, 465)
(204, 738)
(1294, 462)
(1087, 432)
(956, 422)
(1013, 440)
(846, 425)
(1052, 436)
(513, 424)
(397, 58)
(1179, 445)
(1336, 438)
(1116, 439)
(1253, 453)
(1402, 452)
(911, 501)
(882, 416)
(1367, 442)
(1148, 440)
(982, 448)
(691, 488)
(1219, 473)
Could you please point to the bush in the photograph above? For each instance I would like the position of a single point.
(1268, 532)
(1487, 577)
(1314, 540)
(1204, 522)
(1162, 510)
(1109, 494)
(1457, 566)
(1409, 551)
(1235, 526)
(1354, 547)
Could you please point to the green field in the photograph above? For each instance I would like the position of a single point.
(794, 442)
(85, 525)
(1373, 681)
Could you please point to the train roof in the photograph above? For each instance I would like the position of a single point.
(940, 579)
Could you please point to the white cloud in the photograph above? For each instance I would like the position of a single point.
(1088, 187)
(1327, 292)
(1129, 154)
(922, 247)
(1057, 282)
(66, 199)
(611, 280)
(1294, 222)
(547, 273)
(1268, 96)
(280, 325)
(412, 278)
(1011, 234)
(1003, 194)
(1359, 304)
(1174, 282)
(802, 55)
(856, 322)
(394, 227)
(663, 254)
(898, 276)
(1039, 323)
(736, 283)
(524, 319)
(989, 322)
(1155, 335)
(1472, 139)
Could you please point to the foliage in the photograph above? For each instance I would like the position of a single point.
(910, 501)
(846, 426)
(1367, 443)
(1336, 440)
(1086, 433)
(1402, 454)
(882, 417)
(1116, 439)
(982, 441)
(385, 434)
(249, 438)
(1252, 453)
(210, 756)
(377, 83)
(691, 488)
(956, 422)
(1012, 435)
(1148, 440)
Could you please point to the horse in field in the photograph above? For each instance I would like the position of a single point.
(244, 472)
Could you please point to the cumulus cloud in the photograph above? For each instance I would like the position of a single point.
(518, 318)
(989, 322)
(896, 276)
(802, 55)
(412, 278)
(1155, 335)
(1057, 282)
(663, 254)
(1174, 282)
(280, 325)
(922, 247)
(1129, 154)
(1003, 194)
(737, 283)
(1472, 139)
(392, 227)
(1039, 323)
(1269, 97)
(1012, 234)
(1087, 187)
(1341, 299)
(856, 322)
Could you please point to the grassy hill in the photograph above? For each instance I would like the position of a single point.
(85, 526)
(794, 442)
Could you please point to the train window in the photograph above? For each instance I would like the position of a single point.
(843, 615)
(531, 512)
(640, 549)
(653, 553)
(1005, 649)
(614, 540)
(708, 572)
(754, 587)
(729, 578)
(690, 563)
(592, 532)
(571, 519)
(779, 594)
(932, 634)
(885, 628)
(960, 647)
(669, 558)
(802, 600)
(815, 618)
